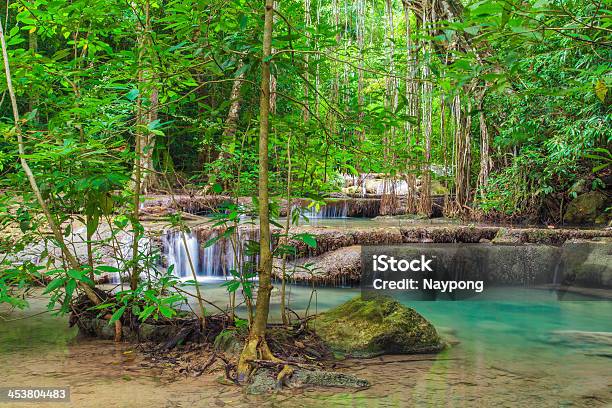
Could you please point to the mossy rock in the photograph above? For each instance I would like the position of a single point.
(586, 208)
(437, 188)
(229, 341)
(380, 325)
(507, 237)
(264, 380)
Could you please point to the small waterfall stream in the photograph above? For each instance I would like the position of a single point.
(217, 260)
(213, 262)
(333, 209)
(177, 252)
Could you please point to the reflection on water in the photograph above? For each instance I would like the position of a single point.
(539, 353)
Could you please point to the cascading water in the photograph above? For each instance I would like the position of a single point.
(399, 187)
(217, 260)
(178, 254)
(333, 209)
(213, 262)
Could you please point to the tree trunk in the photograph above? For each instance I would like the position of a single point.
(389, 201)
(57, 233)
(149, 177)
(307, 24)
(256, 346)
(33, 47)
(463, 124)
(412, 109)
(283, 305)
(360, 74)
(233, 114)
(485, 157)
(427, 90)
(231, 122)
(147, 110)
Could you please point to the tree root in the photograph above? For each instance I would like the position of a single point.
(255, 348)
(283, 376)
(118, 330)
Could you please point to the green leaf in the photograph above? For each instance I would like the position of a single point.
(472, 30)
(244, 68)
(133, 94)
(54, 284)
(231, 286)
(117, 315)
(211, 241)
(144, 315)
(306, 238)
(601, 90)
(167, 311)
(107, 268)
(92, 224)
(75, 274)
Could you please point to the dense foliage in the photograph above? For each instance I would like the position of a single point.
(505, 104)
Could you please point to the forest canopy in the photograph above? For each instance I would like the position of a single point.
(506, 104)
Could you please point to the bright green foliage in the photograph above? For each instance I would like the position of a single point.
(85, 74)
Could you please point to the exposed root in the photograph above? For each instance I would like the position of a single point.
(118, 330)
(255, 348)
(283, 376)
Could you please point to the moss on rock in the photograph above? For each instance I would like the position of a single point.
(371, 327)
(264, 380)
(586, 208)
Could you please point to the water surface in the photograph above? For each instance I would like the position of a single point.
(540, 352)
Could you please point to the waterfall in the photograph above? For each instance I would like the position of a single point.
(177, 252)
(333, 209)
(362, 182)
(213, 262)
(400, 187)
(124, 250)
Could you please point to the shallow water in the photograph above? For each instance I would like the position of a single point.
(514, 353)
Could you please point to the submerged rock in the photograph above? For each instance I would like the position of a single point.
(582, 337)
(264, 380)
(381, 325)
(598, 344)
(586, 208)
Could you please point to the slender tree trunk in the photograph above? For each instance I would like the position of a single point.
(33, 46)
(389, 201)
(148, 110)
(149, 177)
(427, 90)
(443, 143)
(463, 124)
(286, 238)
(256, 345)
(233, 114)
(139, 148)
(485, 156)
(231, 122)
(307, 24)
(360, 73)
(53, 224)
(317, 72)
(412, 98)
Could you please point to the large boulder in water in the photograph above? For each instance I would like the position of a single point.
(380, 325)
(586, 208)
